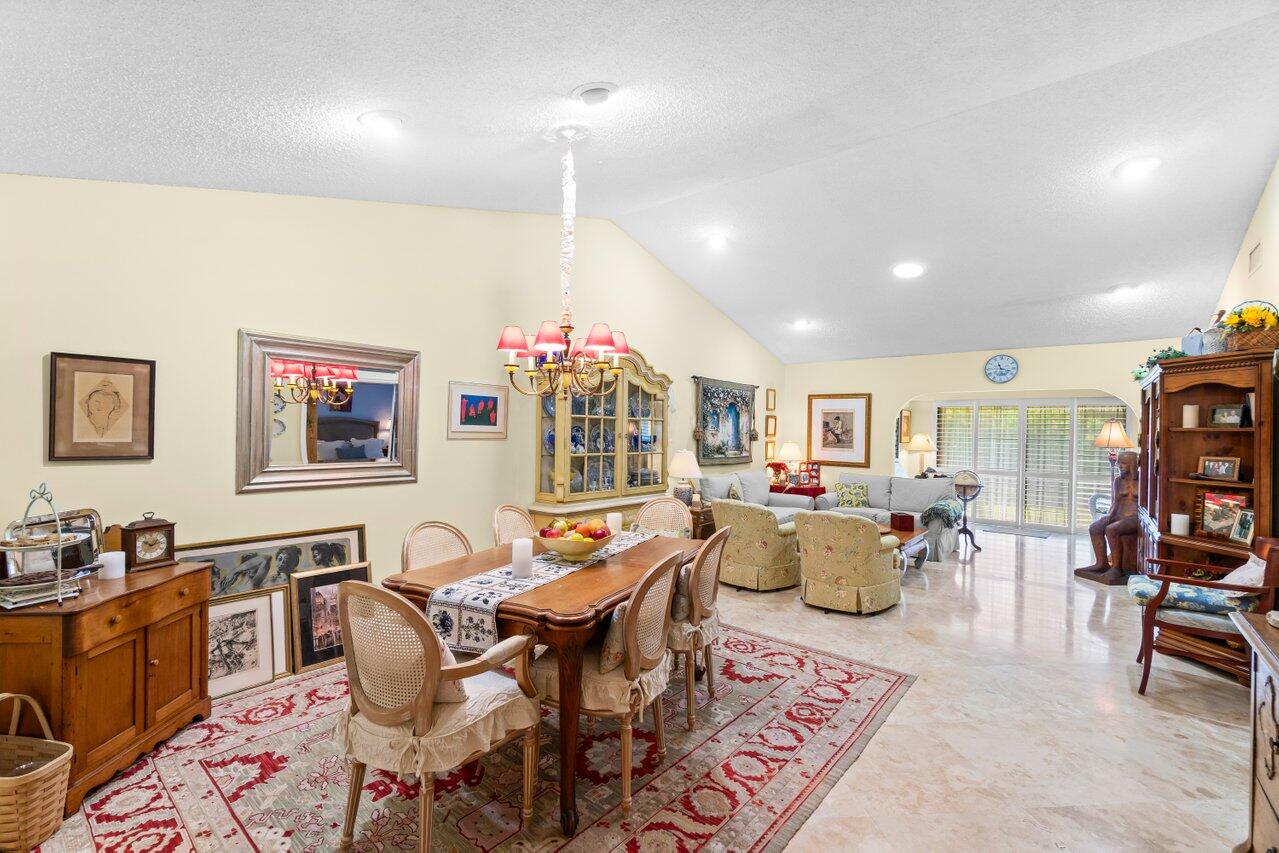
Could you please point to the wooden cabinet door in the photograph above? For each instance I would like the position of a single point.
(106, 709)
(173, 665)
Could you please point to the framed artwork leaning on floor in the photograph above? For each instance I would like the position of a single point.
(317, 632)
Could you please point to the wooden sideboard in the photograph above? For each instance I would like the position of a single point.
(118, 669)
(1263, 810)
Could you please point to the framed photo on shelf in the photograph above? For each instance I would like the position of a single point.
(839, 429)
(241, 643)
(259, 562)
(1219, 467)
(100, 407)
(770, 426)
(477, 410)
(1220, 512)
(1227, 415)
(1243, 530)
(770, 399)
(313, 597)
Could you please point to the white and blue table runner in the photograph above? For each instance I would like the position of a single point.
(464, 613)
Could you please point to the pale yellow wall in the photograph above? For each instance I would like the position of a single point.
(170, 274)
(893, 382)
(1264, 229)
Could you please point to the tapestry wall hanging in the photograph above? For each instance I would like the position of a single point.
(725, 421)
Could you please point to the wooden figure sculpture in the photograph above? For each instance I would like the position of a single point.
(1116, 530)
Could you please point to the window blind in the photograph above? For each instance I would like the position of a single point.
(998, 461)
(1046, 488)
(954, 438)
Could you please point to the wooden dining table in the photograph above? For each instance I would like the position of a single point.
(563, 614)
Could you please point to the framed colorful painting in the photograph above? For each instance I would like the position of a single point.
(100, 407)
(317, 632)
(258, 562)
(477, 410)
(725, 425)
(839, 429)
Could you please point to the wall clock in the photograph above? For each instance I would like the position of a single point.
(1001, 368)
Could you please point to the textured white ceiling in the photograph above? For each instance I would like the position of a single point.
(826, 140)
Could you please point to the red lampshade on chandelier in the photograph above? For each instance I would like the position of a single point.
(307, 382)
(555, 362)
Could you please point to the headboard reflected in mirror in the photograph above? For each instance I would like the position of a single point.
(318, 413)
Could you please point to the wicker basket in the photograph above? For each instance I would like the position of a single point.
(1255, 339)
(31, 804)
(1214, 340)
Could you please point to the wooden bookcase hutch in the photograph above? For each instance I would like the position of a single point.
(1170, 452)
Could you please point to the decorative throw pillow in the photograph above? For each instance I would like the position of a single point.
(735, 491)
(1251, 573)
(449, 691)
(614, 641)
(852, 494)
(350, 452)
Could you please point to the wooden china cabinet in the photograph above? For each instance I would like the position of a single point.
(602, 454)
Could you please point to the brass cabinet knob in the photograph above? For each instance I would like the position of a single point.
(154, 662)
(115, 619)
(182, 593)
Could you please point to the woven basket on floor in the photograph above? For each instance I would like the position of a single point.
(31, 804)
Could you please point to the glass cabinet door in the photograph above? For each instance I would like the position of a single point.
(645, 436)
(592, 445)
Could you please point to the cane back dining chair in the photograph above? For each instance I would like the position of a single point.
(1188, 615)
(433, 542)
(511, 522)
(625, 691)
(665, 515)
(694, 618)
(400, 721)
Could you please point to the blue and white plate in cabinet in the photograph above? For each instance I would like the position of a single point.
(1001, 368)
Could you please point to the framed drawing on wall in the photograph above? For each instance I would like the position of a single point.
(259, 562)
(242, 650)
(100, 407)
(317, 632)
(839, 429)
(477, 410)
(770, 426)
(770, 399)
(725, 425)
(903, 430)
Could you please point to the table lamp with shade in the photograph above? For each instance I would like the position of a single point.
(684, 467)
(790, 454)
(1114, 438)
(921, 443)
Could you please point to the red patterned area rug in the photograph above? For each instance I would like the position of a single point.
(262, 773)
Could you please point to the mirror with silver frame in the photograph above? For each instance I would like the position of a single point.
(316, 413)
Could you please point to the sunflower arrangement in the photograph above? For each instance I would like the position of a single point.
(1250, 318)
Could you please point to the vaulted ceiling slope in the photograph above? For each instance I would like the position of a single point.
(822, 141)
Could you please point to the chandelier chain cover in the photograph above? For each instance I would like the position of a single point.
(556, 363)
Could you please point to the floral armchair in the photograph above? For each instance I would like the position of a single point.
(845, 564)
(1184, 613)
(761, 553)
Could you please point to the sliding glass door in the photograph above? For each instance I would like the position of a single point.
(1035, 457)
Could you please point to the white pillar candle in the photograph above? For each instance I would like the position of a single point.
(522, 558)
(112, 565)
(1180, 523)
(1189, 417)
(614, 522)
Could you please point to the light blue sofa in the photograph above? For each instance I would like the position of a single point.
(901, 494)
(752, 487)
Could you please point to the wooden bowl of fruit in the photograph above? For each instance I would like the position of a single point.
(575, 540)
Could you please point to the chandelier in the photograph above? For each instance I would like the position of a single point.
(554, 361)
(305, 382)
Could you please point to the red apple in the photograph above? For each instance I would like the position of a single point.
(552, 533)
(544, 532)
(602, 533)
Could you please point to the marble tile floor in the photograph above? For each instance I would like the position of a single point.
(1024, 730)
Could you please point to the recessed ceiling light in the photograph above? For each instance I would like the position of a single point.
(718, 241)
(1137, 168)
(386, 123)
(908, 269)
(802, 324)
(592, 94)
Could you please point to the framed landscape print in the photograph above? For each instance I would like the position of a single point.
(476, 410)
(259, 562)
(241, 643)
(839, 429)
(100, 407)
(725, 425)
(317, 632)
